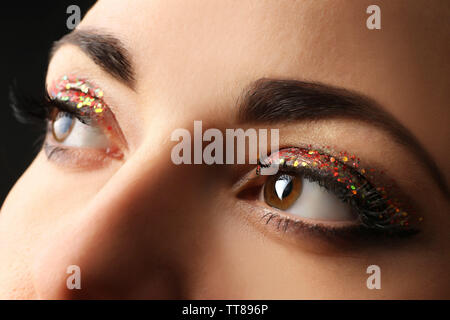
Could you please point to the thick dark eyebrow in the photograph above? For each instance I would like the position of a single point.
(273, 101)
(104, 49)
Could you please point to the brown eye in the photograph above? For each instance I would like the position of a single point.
(62, 125)
(282, 190)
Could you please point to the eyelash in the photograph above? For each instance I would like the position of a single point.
(33, 111)
(377, 214)
(30, 110)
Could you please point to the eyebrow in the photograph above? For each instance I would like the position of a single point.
(104, 49)
(274, 100)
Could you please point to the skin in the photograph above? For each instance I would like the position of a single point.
(142, 227)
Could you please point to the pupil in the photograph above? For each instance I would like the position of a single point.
(283, 187)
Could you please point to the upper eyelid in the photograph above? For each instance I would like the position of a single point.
(375, 172)
(53, 87)
(79, 85)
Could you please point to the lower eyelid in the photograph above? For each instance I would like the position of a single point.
(323, 238)
(272, 214)
(299, 234)
(77, 158)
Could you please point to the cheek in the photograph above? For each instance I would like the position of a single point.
(40, 199)
(47, 191)
(244, 264)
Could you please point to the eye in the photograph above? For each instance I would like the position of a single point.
(326, 193)
(303, 198)
(82, 130)
(70, 131)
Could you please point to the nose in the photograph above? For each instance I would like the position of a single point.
(132, 240)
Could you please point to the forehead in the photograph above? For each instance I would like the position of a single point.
(238, 41)
(205, 52)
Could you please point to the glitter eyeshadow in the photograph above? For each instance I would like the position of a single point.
(344, 172)
(87, 98)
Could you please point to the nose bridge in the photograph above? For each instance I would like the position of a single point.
(126, 239)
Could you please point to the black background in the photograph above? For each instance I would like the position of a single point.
(277, 309)
(29, 29)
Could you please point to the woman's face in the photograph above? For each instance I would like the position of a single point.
(106, 196)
